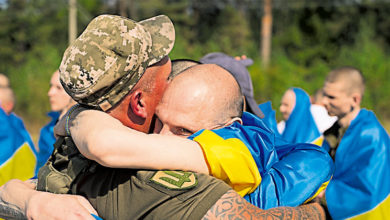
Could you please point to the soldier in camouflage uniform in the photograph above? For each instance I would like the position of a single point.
(115, 65)
(121, 67)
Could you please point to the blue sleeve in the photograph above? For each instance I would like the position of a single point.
(296, 177)
(6, 137)
(45, 143)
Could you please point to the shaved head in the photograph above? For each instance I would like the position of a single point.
(179, 65)
(4, 81)
(204, 96)
(343, 92)
(352, 79)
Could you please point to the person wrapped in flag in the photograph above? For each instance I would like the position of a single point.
(18, 156)
(360, 147)
(298, 125)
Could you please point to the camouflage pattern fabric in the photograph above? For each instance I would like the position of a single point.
(104, 63)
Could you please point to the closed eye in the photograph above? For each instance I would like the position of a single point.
(183, 132)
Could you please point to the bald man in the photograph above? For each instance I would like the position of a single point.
(298, 125)
(241, 151)
(4, 81)
(360, 147)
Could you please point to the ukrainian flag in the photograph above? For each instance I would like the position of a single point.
(360, 187)
(18, 155)
(269, 116)
(262, 167)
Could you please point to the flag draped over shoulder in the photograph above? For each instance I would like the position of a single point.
(300, 126)
(269, 117)
(360, 187)
(18, 155)
(290, 173)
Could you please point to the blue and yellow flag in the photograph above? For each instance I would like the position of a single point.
(269, 117)
(360, 187)
(300, 126)
(18, 156)
(262, 167)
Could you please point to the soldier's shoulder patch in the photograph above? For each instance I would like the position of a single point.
(176, 180)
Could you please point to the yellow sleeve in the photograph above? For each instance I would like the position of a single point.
(231, 161)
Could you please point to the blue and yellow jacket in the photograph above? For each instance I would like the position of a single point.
(18, 155)
(262, 167)
(360, 188)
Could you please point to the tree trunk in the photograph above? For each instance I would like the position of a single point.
(72, 34)
(266, 33)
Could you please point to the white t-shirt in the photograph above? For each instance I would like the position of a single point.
(321, 117)
(281, 126)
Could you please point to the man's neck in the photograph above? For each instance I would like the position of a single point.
(347, 119)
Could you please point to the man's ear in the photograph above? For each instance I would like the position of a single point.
(243, 104)
(356, 99)
(137, 104)
(235, 119)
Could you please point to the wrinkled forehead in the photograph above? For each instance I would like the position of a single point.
(335, 88)
(178, 109)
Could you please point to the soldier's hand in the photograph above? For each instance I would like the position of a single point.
(44, 205)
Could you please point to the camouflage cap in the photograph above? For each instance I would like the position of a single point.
(104, 63)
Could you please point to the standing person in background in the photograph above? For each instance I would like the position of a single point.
(320, 115)
(18, 155)
(360, 147)
(60, 102)
(298, 125)
(287, 104)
